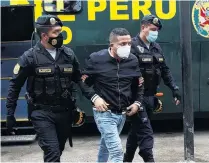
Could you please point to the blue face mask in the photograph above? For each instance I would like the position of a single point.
(152, 36)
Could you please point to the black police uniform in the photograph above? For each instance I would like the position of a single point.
(49, 86)
(153, 67)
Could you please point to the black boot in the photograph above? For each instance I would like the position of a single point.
(147, 155)
(128, 157)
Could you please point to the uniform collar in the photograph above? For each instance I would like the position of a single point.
(40, 47)
(142, 42)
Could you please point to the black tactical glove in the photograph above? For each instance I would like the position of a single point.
(11, 123)
(176, 94)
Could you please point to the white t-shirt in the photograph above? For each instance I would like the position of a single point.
(147, 44)
(52, 52)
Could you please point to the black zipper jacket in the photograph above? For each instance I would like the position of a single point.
(114, 81)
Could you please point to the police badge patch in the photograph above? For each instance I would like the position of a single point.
(16, 69)
(141, 49)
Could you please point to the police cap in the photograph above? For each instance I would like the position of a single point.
(152, 19)
(48, 21)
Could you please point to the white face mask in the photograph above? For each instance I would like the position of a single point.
(124, 51)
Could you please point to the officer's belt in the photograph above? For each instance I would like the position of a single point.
(49, 108)
(117, 111)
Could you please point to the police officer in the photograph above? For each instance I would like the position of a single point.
(50, 70)
(153, 67)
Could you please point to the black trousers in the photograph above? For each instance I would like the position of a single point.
(140, 135)
(52, 130)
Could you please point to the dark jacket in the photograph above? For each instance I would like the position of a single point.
(114, 81)
(153, 68)
(49, 81)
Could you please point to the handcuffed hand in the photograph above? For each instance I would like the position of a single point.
(133, 109)
(141, 81)
(83, 77)
(100, 104)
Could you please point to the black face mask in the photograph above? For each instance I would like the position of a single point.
(56, 41)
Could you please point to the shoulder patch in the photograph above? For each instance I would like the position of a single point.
(141, 49)
(69, 52)
(27, 58)
(16, 69)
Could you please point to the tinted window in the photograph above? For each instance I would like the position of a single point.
(17, 23)
(62, 6)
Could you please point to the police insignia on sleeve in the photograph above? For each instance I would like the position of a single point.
(141, 49)
(16, 69)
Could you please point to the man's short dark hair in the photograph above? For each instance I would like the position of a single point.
(41, 30)
(117, 32)
(145, 23)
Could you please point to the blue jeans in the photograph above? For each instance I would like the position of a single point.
(110, 126)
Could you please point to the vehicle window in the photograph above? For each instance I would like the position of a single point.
(62, 6)
(17, 23)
